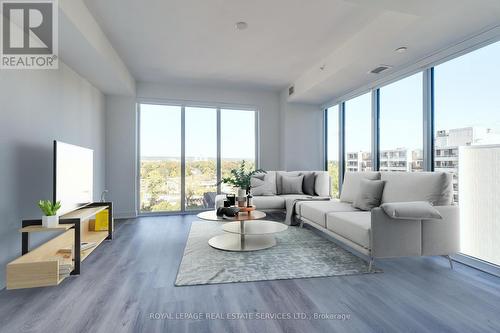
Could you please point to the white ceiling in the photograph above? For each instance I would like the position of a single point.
(286, 40)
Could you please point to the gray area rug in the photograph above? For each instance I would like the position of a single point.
(299, 253)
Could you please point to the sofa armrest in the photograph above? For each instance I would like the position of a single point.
(394, 237)
(442, 237)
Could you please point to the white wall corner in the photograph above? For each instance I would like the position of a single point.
(86, 49)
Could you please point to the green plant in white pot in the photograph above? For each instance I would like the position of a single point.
(240, 178)
(49, 209)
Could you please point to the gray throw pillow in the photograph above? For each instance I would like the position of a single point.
(309, 183)
(416, 210)
(369, 194)
(292, 184)
(260, 186)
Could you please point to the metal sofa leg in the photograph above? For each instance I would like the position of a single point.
(449, 260)
(370, 265)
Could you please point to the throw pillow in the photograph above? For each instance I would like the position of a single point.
(351, 184)
(292, 184)
(309, 183)
(369, 194)
(260, 186)
(416, 210)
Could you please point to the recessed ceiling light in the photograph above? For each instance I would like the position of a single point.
(241, 25)
(401, 49)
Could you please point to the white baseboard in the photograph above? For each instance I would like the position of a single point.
(125, 215)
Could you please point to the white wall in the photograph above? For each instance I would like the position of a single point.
(36, 107)
(121, 152)
(121, 120)
(302, 135)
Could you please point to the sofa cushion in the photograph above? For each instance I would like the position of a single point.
(315, 211)
(433, 187)
(369, 194)
(352, 181)
(262, 187)
(292, 184)
(268, 177)
(279, 178)
(269, 202)
(354, 226)
(412, 210)
(308, 184)
(322, 184)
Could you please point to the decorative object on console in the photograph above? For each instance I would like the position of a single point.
(49, 209)
(241, 178)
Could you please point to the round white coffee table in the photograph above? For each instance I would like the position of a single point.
(245, 233)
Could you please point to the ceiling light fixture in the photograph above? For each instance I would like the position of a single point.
(401, 49)
(241, 25)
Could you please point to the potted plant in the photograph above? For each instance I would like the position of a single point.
(49, 209)
(240, 178)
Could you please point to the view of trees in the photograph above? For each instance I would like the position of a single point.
(161, 182)
(333, 171)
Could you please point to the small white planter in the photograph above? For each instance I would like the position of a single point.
(50, 221)
(242, 192)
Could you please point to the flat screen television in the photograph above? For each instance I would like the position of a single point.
(73, 176)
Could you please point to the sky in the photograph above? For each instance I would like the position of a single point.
(160, 128)
(467, 93)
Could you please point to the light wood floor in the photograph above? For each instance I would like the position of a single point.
(126, 280)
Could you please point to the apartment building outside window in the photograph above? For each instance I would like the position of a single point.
(467, 139)
(358, 134)
(401, 138)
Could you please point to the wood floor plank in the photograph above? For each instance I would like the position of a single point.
(127, 282)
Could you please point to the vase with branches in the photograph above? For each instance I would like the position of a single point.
(240, 178)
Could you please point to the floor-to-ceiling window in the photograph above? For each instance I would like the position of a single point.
(400, 123)
(237, 141)
(160, 159)
(332, 144)
(358, 134)
(467, 139)
(201, 156)
(170, 135)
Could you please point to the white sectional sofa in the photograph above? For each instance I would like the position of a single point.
(377, 235)
(374, 233)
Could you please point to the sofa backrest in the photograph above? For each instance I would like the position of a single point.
(321, 182)
(434, 187)
(352, 181)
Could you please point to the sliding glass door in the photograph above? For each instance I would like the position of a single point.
(160, 158)
(183, 149)
(237, 141)
(201, 157)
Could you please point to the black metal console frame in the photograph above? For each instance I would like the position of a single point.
(77, 230)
